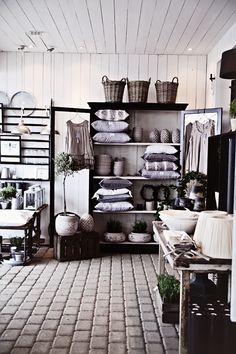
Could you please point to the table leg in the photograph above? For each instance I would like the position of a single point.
(183, 315)
(161, 262)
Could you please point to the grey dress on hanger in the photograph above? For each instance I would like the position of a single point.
(79, 144)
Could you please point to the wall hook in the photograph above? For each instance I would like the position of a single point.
(212, 78)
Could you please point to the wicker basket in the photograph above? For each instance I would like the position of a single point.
(114, 90)
(138, 90)
(166, 91)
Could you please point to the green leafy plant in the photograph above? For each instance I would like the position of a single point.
(140, 226)
(7, 193)
(169, 288)
(232, 108)
(183, 182)
(65, 165)
(17, 242)
(114, 226)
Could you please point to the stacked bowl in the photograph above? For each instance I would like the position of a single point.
(179, 220)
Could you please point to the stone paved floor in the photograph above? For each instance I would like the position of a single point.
(98, 306)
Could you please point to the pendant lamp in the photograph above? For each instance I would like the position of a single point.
(46, 130)
(228, 64)
(21, 128)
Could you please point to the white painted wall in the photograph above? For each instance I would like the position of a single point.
(74, 79)
(218, 92)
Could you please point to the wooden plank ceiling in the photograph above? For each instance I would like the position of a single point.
(115, 26)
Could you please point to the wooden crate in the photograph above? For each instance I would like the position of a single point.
(82, 245)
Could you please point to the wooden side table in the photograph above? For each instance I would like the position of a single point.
(82, 245)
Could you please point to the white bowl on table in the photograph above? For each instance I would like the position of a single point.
(179, 220)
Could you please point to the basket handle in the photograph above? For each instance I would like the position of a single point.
(158, 81)
(105, 79)
(176, 79)
(123, 79)
(149, 80)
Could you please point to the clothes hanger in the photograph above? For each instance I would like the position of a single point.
(77, 119)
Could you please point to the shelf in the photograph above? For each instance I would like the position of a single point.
(138, 106)
(23, 179)
(125, 212)
(137, 178)
(129, 243)
(135, 144)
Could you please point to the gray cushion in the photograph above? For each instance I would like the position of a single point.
(111, 138)
(109, 126)
(115, 206)
(115, 183)
(159, 174)
(159, 157)
(160, 166)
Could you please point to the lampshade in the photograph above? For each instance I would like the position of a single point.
(228, 64)
(201, 224)
(217, 237)
(21, 129)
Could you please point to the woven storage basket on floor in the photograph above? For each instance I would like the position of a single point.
(166, 91)
(138, 90)
(114, 90)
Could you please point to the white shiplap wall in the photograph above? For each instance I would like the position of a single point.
(74, 79)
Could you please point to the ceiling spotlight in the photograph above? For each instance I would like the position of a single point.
(50, 49)
(190, 49)
(22, 47)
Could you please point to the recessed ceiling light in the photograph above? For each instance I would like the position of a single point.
(31, 46)
(36, 33)
(189, 49)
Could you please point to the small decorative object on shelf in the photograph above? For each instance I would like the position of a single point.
(166, 91)
(6, 195)
(86, 223)
(34, 197)
(137, 134)
(118, 166)
(114, 232)
(175, 135)
(138, 90)
(165, 136)
(139, 233)
(154, 136)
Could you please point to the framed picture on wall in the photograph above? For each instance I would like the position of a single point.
(10, 148)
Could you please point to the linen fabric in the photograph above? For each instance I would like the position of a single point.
(112, 114)
(110, 192)
(115, 206)
(160, 166)
(79, 144)
(111, 138)
(159, 174)
(159, 157)
(115, 183)
(160, 149)
(109, 126)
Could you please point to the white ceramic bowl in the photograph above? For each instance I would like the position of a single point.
(179, 220)
(139, 237)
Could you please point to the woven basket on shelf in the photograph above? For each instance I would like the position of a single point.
(138, 90)
(114, 90)
(166, 91)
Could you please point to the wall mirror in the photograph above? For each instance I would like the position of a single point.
(197, 126)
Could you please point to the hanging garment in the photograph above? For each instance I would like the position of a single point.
(187, 135)
(79, 144)
(198, 146)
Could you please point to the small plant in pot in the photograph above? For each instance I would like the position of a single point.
(168, 297)
(66, 222)
(16, 245)
(232, 111)
(114, 231)
(6, 194)
(139, 232)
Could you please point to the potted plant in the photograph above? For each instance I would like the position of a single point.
(232, 111)
(114, 231)
(188, 183)
(139, 233)
(66, 222)
(16, 244)
(167, 296)
(6, 194)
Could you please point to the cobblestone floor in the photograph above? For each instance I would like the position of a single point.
(98, 306)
